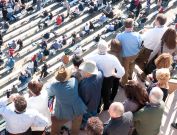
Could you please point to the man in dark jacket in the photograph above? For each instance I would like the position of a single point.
(90, 89)
(120, 122)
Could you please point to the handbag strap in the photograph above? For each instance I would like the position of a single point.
(162, 44)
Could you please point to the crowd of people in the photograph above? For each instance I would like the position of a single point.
(78, 94)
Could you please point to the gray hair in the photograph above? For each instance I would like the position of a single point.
(156, 95)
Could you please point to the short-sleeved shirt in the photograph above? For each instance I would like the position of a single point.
(130, 42)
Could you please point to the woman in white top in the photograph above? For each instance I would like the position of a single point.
(38, 100)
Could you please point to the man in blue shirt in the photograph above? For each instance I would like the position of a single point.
(131, 44)
(90, 89)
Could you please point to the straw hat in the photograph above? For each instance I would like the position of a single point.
(63, 74)
(89, 67)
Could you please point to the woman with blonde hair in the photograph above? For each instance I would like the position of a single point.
(163, 77)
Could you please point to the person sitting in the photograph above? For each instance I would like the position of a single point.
(46, 36)
(19, 119)
(10, 14)
(81, 6)
(12, 44)
(43, 45)
(87, 28)
(102, 19)
(163, 77)
(59, 20)
(68, 106)
(120, 122)
(136, 95)
(75, 13)
(55, 46)
(1, 61)
(11, 52)
(38, 100)
(91, 26)
(97, 38)
(142, 19)
(108, 11)
(110, 28)
(94, 126)
(24, 78)
(39, 56)
(64, 40)
(91, 9)
(151, 113)
(17, 8)
(46, 53)
(74, 38)
(50, 16)
(10, 63)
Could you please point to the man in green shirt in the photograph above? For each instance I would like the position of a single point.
(147, 120)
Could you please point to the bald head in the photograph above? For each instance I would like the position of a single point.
(156, 95)
(116, 109)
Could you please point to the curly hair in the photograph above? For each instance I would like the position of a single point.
(163, 61)
(94, 126)
(163, 76)
(135, 92)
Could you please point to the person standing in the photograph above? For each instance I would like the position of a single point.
(90, 89)
(111, 68)
(147, 120)
(151, 43)
(68, 106)
(115, 48)
(20, 119)
(120, 122)
(44, 72)
(131, 43)
(38, 100)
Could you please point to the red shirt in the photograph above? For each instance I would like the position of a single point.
(34, 58)
(59, 20)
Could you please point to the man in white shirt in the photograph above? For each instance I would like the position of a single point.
(19, 120)
(111, 68)
(152, 42)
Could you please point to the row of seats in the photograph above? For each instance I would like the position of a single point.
(14, 74)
